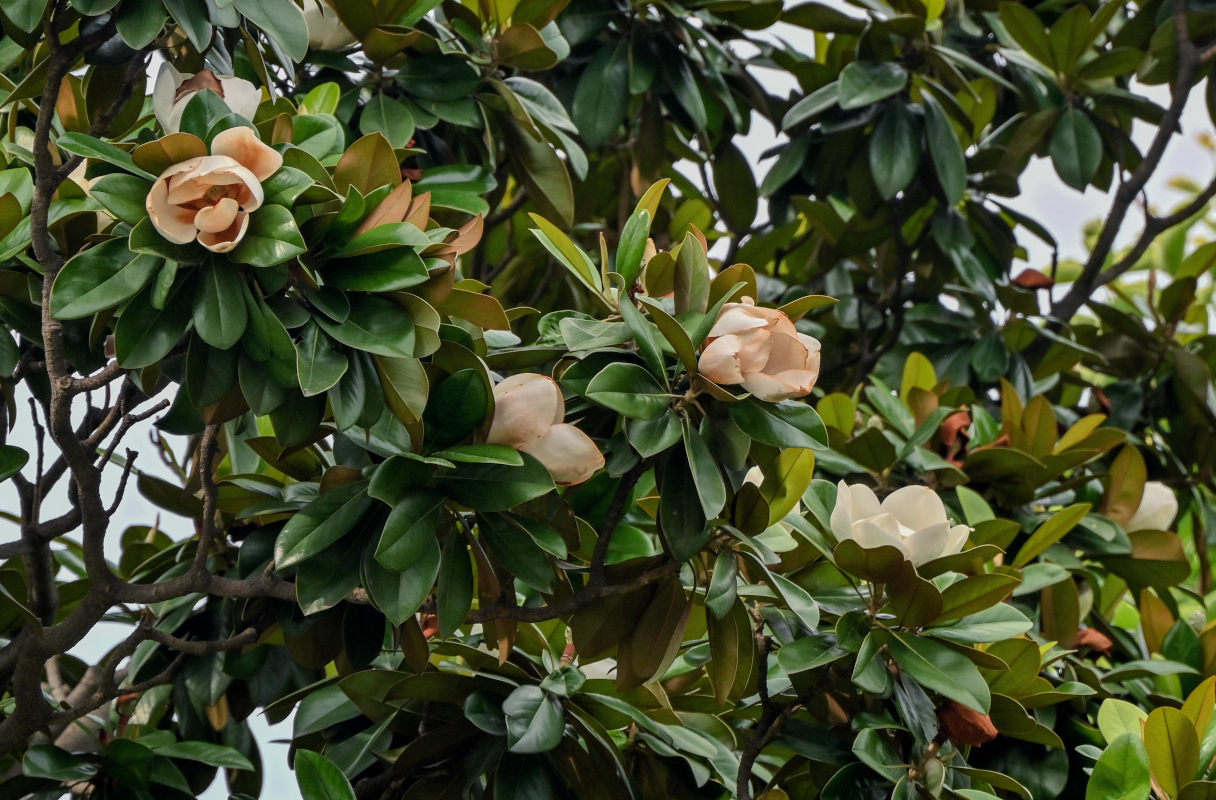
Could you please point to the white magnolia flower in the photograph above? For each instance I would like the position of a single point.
(1158, 507)
(173, 91)
(209, 198)
(760, 349)
(325, 29)
(529, 415)
(912, 519)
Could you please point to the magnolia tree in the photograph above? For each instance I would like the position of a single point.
(509, 461)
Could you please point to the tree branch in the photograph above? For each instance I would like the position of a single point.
(1188, 65)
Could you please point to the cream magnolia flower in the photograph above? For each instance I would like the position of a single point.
(912, 520)
(173, 91)
(209, 198)
(1158, 507)
(529, 415)
(325, 29)
(760, 349)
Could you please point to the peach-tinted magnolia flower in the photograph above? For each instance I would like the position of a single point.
(529, 415)
(173, 91)
(209, 198)
(912, 520)
(760, 349)
(325, 29)
(1157, 509)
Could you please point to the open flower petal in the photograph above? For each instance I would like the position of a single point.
(226, 240)
(568, 453)
(1157, 509)
(525, 407)
(915, 506)
(912, 518)
(928, 543)
(852, 502)
(243, 146)
(218, 217)
(879, 531)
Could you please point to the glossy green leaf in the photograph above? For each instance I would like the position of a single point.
(865, 82)
(319, 779)
(602, 96)
(320, 523)
(935, 666)
(1076, 148)
(376, 325)
(271, 239)
(220, 314)
(1122, 772)
(99, 278)
(629, 390)
(788, 423)
(409, 530)
(945, 151)
(534, 720)
(894, 150)
(1173, 749)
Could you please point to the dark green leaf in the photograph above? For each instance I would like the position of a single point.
(321, 523)
(219, 305)
(281, 20)
(272, 238)
(409, 530)
(534, 720)
(319, 779)
(935, 666)
(894, 150)
(629, 390)
(100, 278)
(319, 365)
(946, 152)
(602, 96)
(865, 82)
(788, 423)
(1076, 148)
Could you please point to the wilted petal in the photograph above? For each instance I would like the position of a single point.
(525, 407)
(217, 218)
(927, 543)
(243, 146)
(568, 453)
(852, 503)
(241, 96)
(915, 507)
(1157, 509)
(879, 531)
(226, 240)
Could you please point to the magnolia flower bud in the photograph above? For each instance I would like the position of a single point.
(760, 349)
(209, 198)
(325, 29)
(1157, 509)
(173, 91)
(529, 415)
(912, 519)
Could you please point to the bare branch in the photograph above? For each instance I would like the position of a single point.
(1188, 65)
